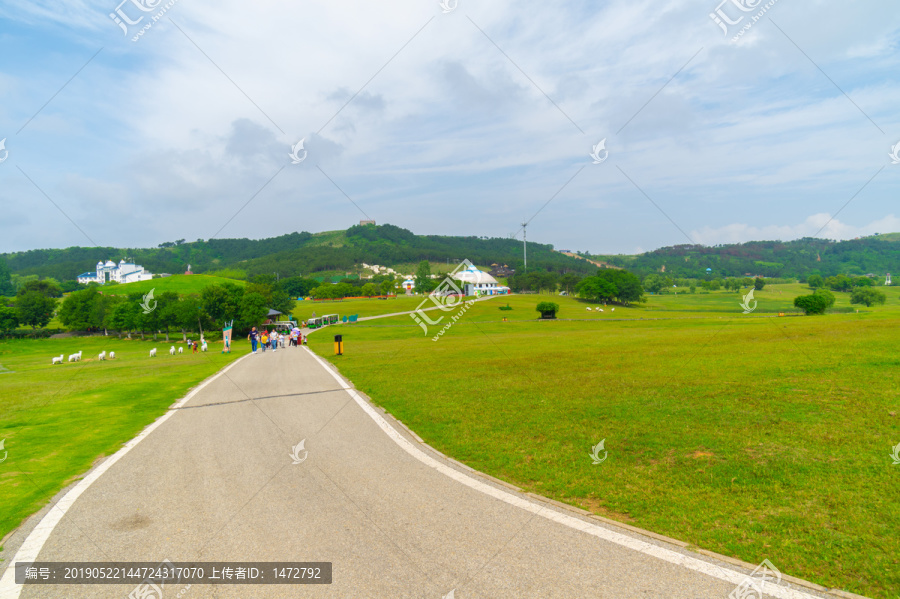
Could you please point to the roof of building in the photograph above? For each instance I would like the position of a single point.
(88, 275)
(475, 276)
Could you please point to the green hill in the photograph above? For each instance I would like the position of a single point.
(792, 259)
(181, 284)
(300, 254)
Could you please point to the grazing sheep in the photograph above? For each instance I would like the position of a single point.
(112, 355)
(102, 355)
(613, 309)
(180, 350)
(172, 351)
(203, 347)
(58, 360)
(73, 357)
(588, 308)
(152, 352)
(601, 309)
(78, 359)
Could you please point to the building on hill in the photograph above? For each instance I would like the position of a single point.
(109, 271)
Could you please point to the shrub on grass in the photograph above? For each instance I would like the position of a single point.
(811, 304)
(547, 309)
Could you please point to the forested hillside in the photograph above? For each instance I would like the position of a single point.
(298, 254)
(878, 254)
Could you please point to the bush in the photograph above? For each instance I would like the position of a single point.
(758, 284)
(811, 304)
(508, 307)
(547, 309)
(868, 296)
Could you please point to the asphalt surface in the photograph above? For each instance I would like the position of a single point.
(216, 481)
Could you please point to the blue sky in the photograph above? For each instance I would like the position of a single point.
(468, 121)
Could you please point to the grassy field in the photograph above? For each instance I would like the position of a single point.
(183, 284)
(361, 307)
(751, 435)
(57, 420)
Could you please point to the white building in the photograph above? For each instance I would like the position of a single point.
(478, 282)
(109, 271)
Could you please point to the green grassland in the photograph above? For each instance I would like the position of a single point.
(752, 435)
(182, 284)
(361, 307)
(57, 420)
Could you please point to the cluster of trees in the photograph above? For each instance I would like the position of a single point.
(839, 282)
(822, 299)
(657, 283)
(33, 305)
(377, 285)
(92, 310)
(610, 285)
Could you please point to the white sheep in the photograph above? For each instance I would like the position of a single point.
(152, 352)
(203, 347)
(73, 357)
(58, 360)
(588, 308)
(172, 351)
(180, 350)
(601, 309)
(112, 355)
(102, 355)
(78, 359)
(613, 309)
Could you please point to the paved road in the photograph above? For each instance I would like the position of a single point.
(215, 481)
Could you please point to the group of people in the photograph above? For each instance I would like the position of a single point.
(273, 339)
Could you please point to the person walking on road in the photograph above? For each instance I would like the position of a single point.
(265, 340)
(252, 337)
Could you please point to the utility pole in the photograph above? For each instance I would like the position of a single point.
(525, 244)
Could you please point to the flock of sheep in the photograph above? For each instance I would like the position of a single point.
(599, 309)
(112, 354)
(203, 347)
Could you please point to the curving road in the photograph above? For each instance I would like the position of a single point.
(214, 480)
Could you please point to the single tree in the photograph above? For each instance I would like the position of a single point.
(758, 284)
(868, 296)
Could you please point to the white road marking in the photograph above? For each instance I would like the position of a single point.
(32, 545)
(656, 551)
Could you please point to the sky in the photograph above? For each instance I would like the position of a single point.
(608, 127)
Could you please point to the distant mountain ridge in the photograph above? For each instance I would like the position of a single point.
(877, 254)
(337, 252)
(295, 254)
